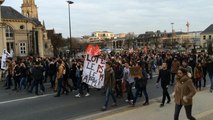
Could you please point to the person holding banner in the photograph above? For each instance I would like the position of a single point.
(109, 84)
(81, 84)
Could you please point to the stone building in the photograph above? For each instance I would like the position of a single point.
(23, 33)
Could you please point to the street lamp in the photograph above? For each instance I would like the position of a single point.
(69, 3)
(172, 33)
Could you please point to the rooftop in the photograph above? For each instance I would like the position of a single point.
(208, 30)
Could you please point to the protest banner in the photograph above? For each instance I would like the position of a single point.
(5, 54)
(136, 71)
(93, 72)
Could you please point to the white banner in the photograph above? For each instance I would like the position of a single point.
(93, 73)
(4, 59)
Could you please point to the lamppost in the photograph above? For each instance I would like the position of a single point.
(69, 3)
(172, 34)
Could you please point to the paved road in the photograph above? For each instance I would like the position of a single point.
(25, 106)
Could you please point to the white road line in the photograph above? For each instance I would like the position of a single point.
(27, 98)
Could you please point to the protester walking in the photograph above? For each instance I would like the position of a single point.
(183, 93)
(210, 72)
(174, 69)
(81, 84)
(16, 76)
(37, 75)
(9, 75)
(118, 76)
(140, 85)
(129, 83)
(164, 77)
(23, 76)
(198, 75)
(109, 84)
(60, 73)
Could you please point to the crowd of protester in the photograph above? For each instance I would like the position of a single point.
(65, 75)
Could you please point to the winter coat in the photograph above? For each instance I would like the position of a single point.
(175, 66)
(184, 87)
(118, 72)
(210, 67)
(37, 72)
(60, 72)
(198, 73)
(109, 81)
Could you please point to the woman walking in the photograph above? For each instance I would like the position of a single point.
(183, 93)
(198, 75)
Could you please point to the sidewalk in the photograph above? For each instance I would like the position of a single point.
(202, 110)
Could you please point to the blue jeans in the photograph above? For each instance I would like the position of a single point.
(60, 80)
(211, 81)
(138, 92)
(129, 91)
(23, 82)
(52, 80)
(108, 93)
(9, 81)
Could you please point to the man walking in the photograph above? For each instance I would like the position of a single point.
(164, 76)
(109, 85)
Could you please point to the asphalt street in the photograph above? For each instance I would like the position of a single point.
(26, 106)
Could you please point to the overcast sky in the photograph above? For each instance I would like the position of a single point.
(122, 16)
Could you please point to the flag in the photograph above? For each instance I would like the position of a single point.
(89, 49)
(94, 51)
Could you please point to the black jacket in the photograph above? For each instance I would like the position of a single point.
(210, 67)
(37, 72)
(164, 76)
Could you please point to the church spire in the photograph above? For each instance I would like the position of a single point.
(44, 24)
(29, 9)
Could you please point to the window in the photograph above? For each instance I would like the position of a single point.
(21, 27)
(10, 46)
(204, 37)
(9, 32)
(210, 37)
(22, 48)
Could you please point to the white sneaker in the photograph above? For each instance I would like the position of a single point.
(127, 101)
(87, 95)
(78, 95)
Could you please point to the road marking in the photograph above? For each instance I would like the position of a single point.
(27, 98)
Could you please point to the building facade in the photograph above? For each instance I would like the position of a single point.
(103, 35)
(22, 33)
(206, 36)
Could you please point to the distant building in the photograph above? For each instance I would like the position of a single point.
(206, 36)
(120, 35)
(103, 35)
(195, 37)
